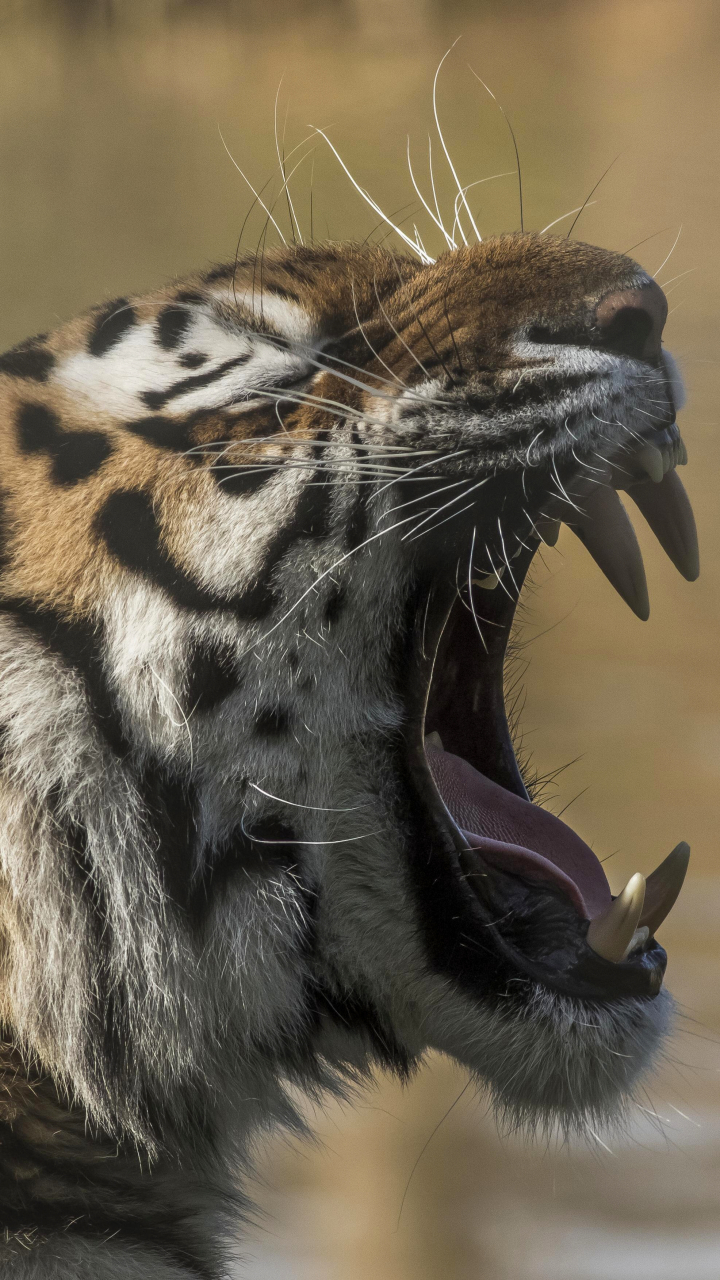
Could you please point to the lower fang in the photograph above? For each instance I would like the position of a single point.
(434, 740)
(611, 934)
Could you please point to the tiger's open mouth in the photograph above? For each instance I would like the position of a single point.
(540, 895)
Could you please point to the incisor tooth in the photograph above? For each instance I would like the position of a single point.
(663, 887)
(666, 507)
(650, 460)
(605, 530)
(611, 934)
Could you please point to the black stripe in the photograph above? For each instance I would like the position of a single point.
(242, 481)
(171, 324)
(266, 846)
(356, 1015)
(128, 526)
(544, 389)
(158, 399)
(110, 325)
(130, 530)
(166, 433)
(171, 806)
(75, 455)
(281, 291)
(223, 271)
(80, 646)
(212, 674)
(29, 359)
(357, 526)
(272, 723)
(335, 605)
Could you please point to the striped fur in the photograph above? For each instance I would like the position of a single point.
(215, 875)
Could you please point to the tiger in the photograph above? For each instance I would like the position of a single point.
(263, 829)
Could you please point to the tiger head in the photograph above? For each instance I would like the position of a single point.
(264, 537)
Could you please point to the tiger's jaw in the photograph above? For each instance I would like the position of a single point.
(526, 924)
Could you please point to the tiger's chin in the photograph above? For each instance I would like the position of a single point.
(557, 1001)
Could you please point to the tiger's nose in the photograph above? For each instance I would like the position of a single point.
(631, 322)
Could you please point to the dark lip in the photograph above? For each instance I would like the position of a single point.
(535, 932)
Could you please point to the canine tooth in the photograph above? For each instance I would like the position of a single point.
(666, 507)
(548, 531)
(605, 530)
(434, 740)
(650, 460)
(663, 887)
(611, 934)
(682, 453)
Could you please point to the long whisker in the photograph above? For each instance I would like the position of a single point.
(458, 498)
(414, 470)
(470, 590)
(399, 336)
(508, 173)
(353, 551)
(282, 345)
(424, 258)
(453, 516)
(498, 573)
(367, 341)
(585, 203)
(432, 184)
(514, 139)
(255, 193)
(423, 497)
(506, 557)
(426, 335)
(569, 214)
(669, 256)
(342, 840)
(316, 808)
(436, 219)
(281, 160)
(447, 153)
(651, 237)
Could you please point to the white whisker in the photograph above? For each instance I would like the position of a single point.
(447, 153)
(424, 257)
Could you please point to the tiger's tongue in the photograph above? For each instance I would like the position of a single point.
(516, 835)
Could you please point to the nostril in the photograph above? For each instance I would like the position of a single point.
(627, 333)
(631, 321)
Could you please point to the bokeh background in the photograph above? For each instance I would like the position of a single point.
(114, 176)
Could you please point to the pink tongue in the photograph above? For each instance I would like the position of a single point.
(517, 835)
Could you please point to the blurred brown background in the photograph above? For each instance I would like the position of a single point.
(113, 176)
